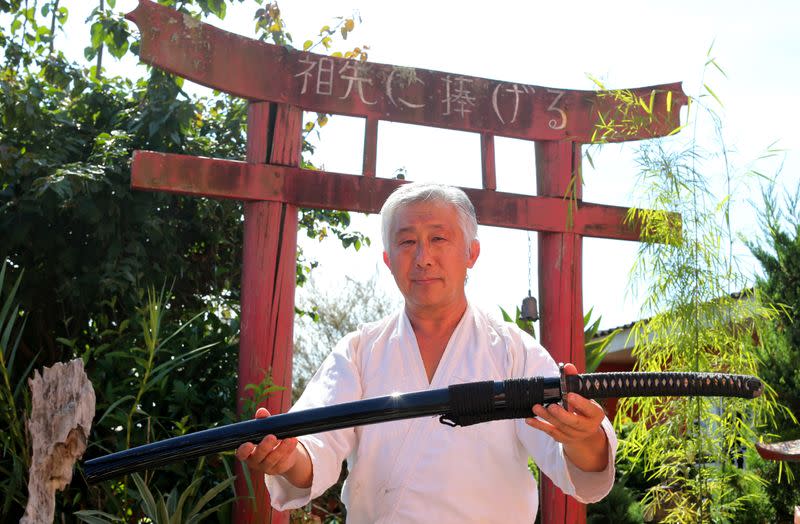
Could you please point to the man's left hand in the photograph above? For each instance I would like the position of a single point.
(585, 442)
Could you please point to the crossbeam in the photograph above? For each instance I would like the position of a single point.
(232, 179)
(255, 70)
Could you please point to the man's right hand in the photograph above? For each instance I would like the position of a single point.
(278, 457)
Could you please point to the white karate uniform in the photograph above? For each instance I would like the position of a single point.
(419, 470)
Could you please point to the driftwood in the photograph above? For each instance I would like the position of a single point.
(62, 409)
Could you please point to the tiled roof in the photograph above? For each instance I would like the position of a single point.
(605, 332)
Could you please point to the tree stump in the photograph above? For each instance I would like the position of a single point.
(62, 409)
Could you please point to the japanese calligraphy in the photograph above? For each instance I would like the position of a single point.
(553, 123)
(324, 75)
(355, 78)
(408, 77)
(457, 95)
(515, 91)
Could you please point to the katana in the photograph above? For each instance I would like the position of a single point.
(456, 405)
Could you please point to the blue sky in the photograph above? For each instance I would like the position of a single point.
(557, 44)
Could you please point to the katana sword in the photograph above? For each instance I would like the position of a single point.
(456, 405)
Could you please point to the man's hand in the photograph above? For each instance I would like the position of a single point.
(278, 457)
(585, 442)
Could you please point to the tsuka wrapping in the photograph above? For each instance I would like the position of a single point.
(475, 402)
(521, 394)
(470, 403)
(614, 385)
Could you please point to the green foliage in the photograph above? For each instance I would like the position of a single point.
(595, 347)
(524, 324)
(15, 402)
(689, 446)
(184, 507)
(779, 254)
(157, 377)
(162, 363)
(620, 506)
(697, 326)
(778, 251)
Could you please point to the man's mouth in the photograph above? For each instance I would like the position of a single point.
(426, 280)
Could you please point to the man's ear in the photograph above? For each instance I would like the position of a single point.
(474, 252)
(386, 260)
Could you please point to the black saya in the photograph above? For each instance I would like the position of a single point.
(456, 405)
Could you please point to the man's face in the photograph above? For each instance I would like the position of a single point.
(429, 257)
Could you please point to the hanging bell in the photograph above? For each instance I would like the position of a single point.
(529, 310)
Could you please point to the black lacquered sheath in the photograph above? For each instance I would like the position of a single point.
(457, 405)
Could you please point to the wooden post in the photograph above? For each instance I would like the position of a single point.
(560, 294)
(268, 285)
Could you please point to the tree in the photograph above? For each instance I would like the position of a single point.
(331, 317)
(96, 253)
(779, 254)
(691, 447)
(778, 251)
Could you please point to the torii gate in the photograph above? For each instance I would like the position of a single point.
(281, 83)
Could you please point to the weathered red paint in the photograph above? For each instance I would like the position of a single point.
(370, 147)
(259, 71)
(268, 284)
(560, 296)
(488, 168)
(320, 189)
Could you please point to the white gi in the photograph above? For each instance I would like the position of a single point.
(419, 470)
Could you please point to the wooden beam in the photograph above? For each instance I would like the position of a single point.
(325, 190)
(255, 70)
(370, 147)
(488, 170)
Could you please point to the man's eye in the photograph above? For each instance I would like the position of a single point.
(406, 242)
(438, 239)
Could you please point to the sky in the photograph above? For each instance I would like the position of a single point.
(554, 44)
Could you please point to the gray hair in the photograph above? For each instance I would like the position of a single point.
(418, 192)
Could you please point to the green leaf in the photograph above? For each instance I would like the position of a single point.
(98, 33)
(307, 45)
(188, 492)
(148, 501)
(712, 93)
(162, 517)
(96, 517)
(112, 406)
(205, 499)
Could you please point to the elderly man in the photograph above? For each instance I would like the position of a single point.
(419, 470)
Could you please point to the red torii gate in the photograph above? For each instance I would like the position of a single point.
(281, 83)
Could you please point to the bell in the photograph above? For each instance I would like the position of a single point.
(529, 310)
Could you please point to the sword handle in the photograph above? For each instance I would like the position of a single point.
(666, 384)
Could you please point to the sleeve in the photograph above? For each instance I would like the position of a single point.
(531, 359)
(337, 380)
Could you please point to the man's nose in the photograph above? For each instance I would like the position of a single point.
(423, 255)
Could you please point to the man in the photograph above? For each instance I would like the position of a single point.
(419, 470)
